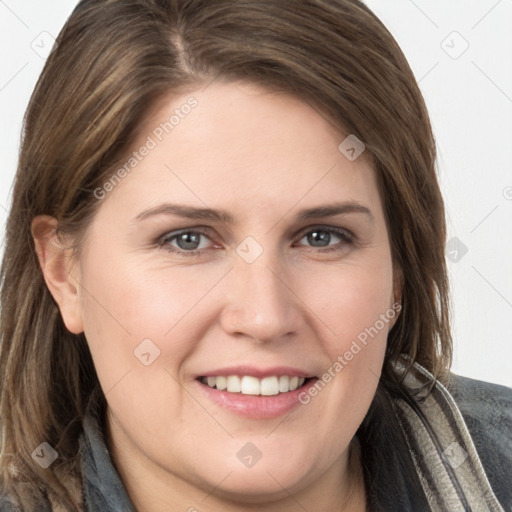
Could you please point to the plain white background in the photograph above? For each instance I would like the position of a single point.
(461, 54)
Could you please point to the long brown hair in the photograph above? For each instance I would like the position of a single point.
(113, 59)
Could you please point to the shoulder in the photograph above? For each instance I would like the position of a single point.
(486, 407)
(7, 505)
(10, 503)
(472, 391)
(487, 412)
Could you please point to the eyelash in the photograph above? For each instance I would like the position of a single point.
(164, 241)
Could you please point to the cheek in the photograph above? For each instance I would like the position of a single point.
(134, 328)
(350, 300)
(129, 303)
(354, 306)
(136, 300)
(357, 309)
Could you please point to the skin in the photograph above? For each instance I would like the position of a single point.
(263, 157)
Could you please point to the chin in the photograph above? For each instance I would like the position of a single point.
(278, 472)
(259, 486)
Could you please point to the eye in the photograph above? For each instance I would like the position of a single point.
(320, 237)
(187, 242)
(194, 242)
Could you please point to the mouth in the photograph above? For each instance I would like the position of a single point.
(250, 385)
(256, 394)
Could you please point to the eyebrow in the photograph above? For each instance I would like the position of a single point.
(191, 212)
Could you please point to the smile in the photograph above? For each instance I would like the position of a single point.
(249, 385)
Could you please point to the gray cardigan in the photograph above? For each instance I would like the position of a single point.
(461, 438)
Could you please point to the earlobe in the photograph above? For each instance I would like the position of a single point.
(57, 265)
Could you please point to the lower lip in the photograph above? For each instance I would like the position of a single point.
(256, 406)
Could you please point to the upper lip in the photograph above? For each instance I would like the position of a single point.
(259, 373)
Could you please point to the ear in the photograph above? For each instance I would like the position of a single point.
(57, 266)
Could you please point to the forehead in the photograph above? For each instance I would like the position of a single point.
(238, 141)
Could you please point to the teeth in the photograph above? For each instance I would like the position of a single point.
(269, 386)
(234, 384)
(248, 385)
(220, 383)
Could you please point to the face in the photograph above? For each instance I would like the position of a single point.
(236, 289)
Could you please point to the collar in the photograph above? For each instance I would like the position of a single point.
(445, 458)
(103, 490)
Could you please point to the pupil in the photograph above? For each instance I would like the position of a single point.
(319, 236)
(185, 239)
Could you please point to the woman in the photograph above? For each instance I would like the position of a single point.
(224, 285)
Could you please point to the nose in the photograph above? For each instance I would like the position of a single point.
(260, 302)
